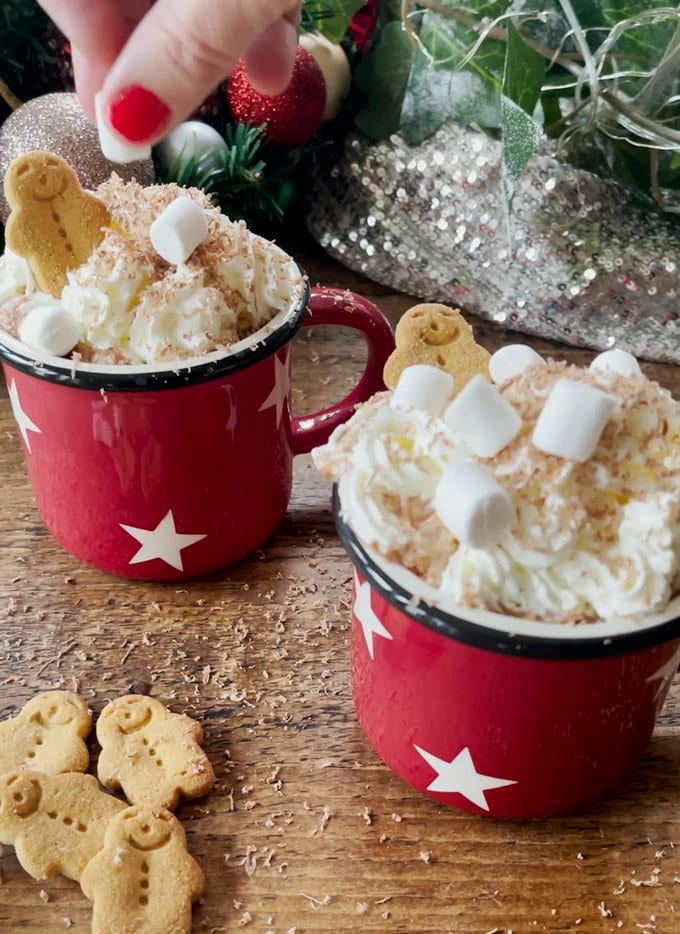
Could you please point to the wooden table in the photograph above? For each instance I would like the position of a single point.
(306, 831)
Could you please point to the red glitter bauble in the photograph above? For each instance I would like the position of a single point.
(290, 118)
(362, 25)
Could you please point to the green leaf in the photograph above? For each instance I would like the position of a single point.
(522, 80)
(383, 76)
(521, 137)
(524, 71)
(332, 17)
(439, 89)
(645, 44)
(675, 161)
(449, 42)
(436, 95)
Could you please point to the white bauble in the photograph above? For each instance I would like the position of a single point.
(335, 68)
(188, 140)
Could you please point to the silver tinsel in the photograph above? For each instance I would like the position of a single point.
(56, 123)
(579, 260)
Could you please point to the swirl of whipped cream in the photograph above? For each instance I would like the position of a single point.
(630, 578)
(133, 307)
(598, 539)
(391, 459)
(189, 318)
(105, 304)
(262, 278)
(16, 279)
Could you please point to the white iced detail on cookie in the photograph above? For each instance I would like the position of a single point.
(593, 538)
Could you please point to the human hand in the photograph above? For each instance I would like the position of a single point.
(155, 62)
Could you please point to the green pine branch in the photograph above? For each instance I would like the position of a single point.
(22, 24)
(239, 179)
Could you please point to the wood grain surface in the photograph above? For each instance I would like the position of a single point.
(306, 831)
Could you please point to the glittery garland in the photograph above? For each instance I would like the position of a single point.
(579, 261)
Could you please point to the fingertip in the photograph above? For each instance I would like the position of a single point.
(89, 78)
(269, 60)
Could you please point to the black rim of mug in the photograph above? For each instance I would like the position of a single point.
(486, 637)
(120, 379)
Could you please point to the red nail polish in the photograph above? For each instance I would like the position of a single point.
(137, 114)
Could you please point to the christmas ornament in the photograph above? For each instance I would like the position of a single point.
(291, 117)
(192, 139)
(56, 71)
(214, 109)
(334, 64)
(579, 260)
(362, 25)
(56, 123)
(233, 172)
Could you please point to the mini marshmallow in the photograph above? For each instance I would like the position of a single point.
(482, 418)
(512, 360)
(178, 230)
(620, 361)
(473, 506)
(50, 329)
(423, 387)
(113, 146)
(573, 419)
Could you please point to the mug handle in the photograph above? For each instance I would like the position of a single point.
(344, 309)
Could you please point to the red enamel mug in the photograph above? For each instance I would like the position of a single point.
(497, 715)
(173, 471)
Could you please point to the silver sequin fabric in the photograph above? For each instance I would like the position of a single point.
(578, 260)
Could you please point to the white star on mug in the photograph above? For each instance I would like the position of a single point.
(363, 611)
(163, 542)
(23, 421)
(279, 394)
(460, 776)
(666, 673)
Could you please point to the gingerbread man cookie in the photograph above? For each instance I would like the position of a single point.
(439, 336)
(56, 823)
(48, 734)
(53, 223)
(143, 881)
(152, 754)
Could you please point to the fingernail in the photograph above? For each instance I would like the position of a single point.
(137, 113)
(114, 147)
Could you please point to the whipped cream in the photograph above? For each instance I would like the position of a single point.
(133, 307)
(591, 540)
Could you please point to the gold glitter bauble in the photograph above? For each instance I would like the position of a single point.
(56, 123)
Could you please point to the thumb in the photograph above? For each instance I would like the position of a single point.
(181, 50)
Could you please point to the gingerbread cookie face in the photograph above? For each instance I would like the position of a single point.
(47, 735)
(153, 755)
(439, 336)
(56, 823)
(53, 223)
(143, 880)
